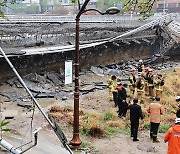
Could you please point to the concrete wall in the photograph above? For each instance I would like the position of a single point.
(99, 55)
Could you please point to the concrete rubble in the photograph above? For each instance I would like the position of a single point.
(51, 85)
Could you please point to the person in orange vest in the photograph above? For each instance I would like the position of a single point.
(173, 138)
(132, 82)
(159, 83)
(155, 110)
(112, 83)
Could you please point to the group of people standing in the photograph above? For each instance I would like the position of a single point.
(142, 81)
(145, 82)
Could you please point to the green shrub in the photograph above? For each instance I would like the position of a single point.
(146, 125)
(108, 116)
(163, 128)
(2, 124)
(89, 148)
(126, 131)
(85, 130)
(111, 130)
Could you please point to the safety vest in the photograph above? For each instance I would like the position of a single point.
(112, 84)
(140, 68)
(132, 80)
(150, 80)
(140, 86)
(159, 84)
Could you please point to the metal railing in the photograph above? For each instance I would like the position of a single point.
(84, 18)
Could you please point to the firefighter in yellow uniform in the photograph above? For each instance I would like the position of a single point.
(140, 66)
(132, 82)
(146, 88)
(140, 88)
(151, 84)
(112, 83)
(159, 83)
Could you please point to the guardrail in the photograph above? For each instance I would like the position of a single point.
(84, 18)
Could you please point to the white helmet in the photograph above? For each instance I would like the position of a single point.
(140, 61)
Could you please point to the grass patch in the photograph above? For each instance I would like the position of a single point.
(87, 148)
(163, 128)
(145, 125)
(126, 131)
(85, 130)
(108, 115)
(111, 130)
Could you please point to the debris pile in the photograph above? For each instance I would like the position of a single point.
(51, 84)
(122, 69)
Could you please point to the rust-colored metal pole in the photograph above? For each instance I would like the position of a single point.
(76, 141)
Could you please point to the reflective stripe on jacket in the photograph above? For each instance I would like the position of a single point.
(132, 80)
(158, 86)
(112, 84)
(140, 86)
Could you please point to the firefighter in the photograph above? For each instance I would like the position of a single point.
(159, 83)
(155, 110)
(140, 88)
(112, 83)
(135, 114)
(146, 88)
(150, 79)
(118, 87)
(132, 82)
(140, 66)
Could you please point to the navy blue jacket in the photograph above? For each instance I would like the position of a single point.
(135, 112)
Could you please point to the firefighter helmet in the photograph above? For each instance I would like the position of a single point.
(150, 70)
(147, 69)
(159, 74)
(140, 61)
(133, 69)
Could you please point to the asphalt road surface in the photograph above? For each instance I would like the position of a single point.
(48, 144)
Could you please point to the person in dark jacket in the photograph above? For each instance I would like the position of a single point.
(121, 100)
(135, 114)
(178, 112)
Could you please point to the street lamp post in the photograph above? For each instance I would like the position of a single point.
(76, 141)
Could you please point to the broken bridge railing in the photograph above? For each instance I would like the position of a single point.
(159, 21)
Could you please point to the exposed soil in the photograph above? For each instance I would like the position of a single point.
(97, 102)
